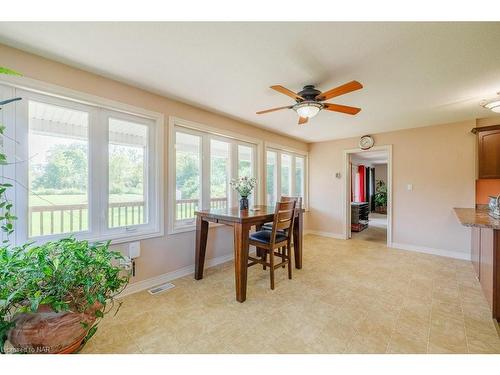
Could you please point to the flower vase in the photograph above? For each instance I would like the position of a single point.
(244, 203)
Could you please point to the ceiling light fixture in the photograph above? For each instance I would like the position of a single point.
(492, 104)
(307, 109)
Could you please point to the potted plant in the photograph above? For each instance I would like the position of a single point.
(381, 197)
(53, 295)
(244, 187)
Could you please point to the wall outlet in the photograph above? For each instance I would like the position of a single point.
(134, 250)
(410, 187)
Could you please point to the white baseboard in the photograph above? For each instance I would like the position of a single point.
(464, 255)
(428, 250)
(169, 276)
(325, 234)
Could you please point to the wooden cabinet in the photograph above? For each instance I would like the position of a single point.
(488, 148)
(486, 261)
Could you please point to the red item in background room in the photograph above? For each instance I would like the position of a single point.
(361, 186)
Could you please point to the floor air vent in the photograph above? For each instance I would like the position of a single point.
(161, 288)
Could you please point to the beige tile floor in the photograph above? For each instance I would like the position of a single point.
(376, 231)
(350, 297)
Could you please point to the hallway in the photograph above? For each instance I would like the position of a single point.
(376, 231)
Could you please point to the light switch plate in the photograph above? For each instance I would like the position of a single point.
(410, 187)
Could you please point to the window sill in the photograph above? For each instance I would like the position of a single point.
(114, 238)
(191, 228)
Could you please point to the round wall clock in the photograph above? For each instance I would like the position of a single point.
(366, 142)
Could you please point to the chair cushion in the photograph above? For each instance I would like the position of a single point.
(264, 236)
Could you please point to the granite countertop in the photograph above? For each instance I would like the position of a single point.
(476, 217)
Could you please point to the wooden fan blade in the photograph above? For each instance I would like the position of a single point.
(303, 120)
(341, 108)
(287, 92)
(341, 90)
(273, 109)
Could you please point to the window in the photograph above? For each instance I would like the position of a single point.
(88, 171)
(204, 165)
(271, 173)
(245, 166)
(188, 176)
(219, 173)
(127, 171)
(245, 161)
(299, 176)
(58, 170)
(285, 173)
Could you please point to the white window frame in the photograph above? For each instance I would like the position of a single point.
(97, 108)
(207, 132)
(279, 150)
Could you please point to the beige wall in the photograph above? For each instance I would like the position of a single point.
(170, 252)
(381, 172)
(440, 163)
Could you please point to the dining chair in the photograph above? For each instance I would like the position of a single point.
(278, 238)
(298, 206)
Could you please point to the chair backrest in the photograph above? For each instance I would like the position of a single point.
(284, 215)
(297, 200)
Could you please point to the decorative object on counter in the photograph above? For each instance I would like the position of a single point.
(244, 186)
(494, 206)
(381, 197)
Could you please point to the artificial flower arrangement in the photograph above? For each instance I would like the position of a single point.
(244, 186)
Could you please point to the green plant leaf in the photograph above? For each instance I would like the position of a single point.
(90, 333)
(9, 72)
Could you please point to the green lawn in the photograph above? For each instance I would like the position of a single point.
(41, 200)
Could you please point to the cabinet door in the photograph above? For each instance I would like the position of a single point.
(476, 250)
(489, 153)
(486, 264)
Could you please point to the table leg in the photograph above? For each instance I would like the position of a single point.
(260, 252)
(201, 247)
(241, 260)
(298, 230)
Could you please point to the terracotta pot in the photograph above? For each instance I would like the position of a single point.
(47, 331)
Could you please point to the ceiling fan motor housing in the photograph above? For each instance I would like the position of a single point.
(309, 93)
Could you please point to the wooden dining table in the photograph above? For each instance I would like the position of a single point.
(242, 222)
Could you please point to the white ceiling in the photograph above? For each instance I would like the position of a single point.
(414, 74)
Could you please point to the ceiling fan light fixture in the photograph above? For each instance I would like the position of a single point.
(308, 109)
(493, 105)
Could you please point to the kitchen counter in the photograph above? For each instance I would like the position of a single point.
(476, 217)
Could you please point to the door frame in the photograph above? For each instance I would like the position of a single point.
(347, 189)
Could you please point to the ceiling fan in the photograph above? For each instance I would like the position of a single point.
(309, 100)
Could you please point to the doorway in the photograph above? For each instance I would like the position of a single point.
(368, 194)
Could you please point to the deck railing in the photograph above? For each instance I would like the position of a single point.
(54, 219)
(125, 213)
(185, 208)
